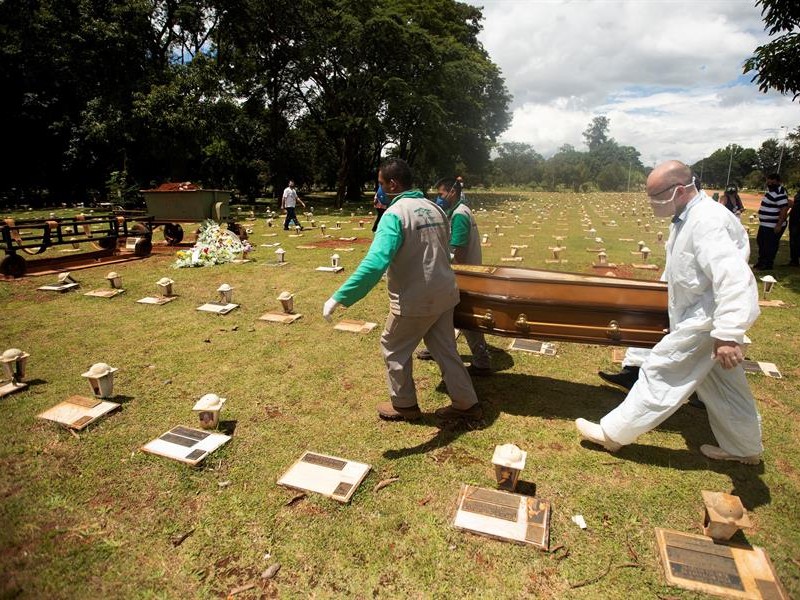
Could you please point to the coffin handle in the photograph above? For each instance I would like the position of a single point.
(522, 323)
(485, 320)
(613, 331)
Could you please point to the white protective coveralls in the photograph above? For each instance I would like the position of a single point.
(712, 295)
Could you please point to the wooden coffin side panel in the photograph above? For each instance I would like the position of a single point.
(574, 309)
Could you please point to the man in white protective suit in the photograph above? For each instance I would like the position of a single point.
(713, 300)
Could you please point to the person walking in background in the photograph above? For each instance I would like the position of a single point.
(289, 202)
(713, 300)
(412, 243)
(794, 231)
(381, 203)
(771, 222)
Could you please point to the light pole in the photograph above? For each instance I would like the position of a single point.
(780, 156)
(730, 163)
(630, 164)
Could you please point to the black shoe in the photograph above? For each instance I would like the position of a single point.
(479, 371)
(624, 379)
(695, 402)
(424, 354)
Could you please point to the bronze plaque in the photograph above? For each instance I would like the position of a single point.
(538, 511)
(706, 562)
(324, 461)
(342, 489)
(81, 422)
(487, 509)
(194, 434)
(769, 590)
(492, 497)
(178, 439)
(195, 455)
(84, 401)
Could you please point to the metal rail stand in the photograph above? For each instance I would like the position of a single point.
(35, 236)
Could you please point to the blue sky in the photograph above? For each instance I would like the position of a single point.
(668, 74)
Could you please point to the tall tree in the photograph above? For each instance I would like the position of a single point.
(596, 134)
(517, 164)
(777, 63)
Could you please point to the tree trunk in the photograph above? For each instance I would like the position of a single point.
(348, 184)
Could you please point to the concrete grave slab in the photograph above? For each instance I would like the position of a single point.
(504, 516)
(186, 445)
(78, 412)
(334, 477)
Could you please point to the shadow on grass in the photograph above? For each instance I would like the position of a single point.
(227, 427)
(746, 480)
(122, 399)
(547, 398)
(448, 431)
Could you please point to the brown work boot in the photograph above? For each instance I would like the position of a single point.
(451, 413)
(386, 410)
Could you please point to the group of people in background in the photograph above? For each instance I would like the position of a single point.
(776, 212)
(775, 215)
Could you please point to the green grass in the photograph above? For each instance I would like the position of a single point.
(92, 516)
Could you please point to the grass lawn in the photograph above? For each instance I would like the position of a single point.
(90, 516)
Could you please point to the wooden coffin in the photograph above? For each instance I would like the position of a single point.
(571, 307)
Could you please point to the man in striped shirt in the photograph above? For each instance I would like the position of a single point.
(772, 220)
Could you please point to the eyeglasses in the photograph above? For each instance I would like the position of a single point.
(653, 197)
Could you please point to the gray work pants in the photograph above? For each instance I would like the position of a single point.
(398, 342)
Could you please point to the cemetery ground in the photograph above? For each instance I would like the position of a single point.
(88, 515)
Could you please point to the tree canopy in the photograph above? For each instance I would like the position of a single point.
(241, 93)
(777, 63)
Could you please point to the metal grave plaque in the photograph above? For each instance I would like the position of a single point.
(331, 476)
(532, 346)
(701, 564)
(504, 516)
(186, 445)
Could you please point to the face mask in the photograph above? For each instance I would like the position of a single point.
(667, 208)
(442, 203)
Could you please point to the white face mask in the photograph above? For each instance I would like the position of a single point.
(667, 208)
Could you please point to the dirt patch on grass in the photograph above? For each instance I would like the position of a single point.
(337, 243)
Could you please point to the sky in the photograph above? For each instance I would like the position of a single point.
(668, 74)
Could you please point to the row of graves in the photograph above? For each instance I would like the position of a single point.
(705, 560)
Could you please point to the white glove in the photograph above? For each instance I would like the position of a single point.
(328, 308)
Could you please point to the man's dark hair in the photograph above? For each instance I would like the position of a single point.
(447, 182)
(397, 169)
(774, 177)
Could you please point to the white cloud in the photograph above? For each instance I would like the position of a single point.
(667, 74)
